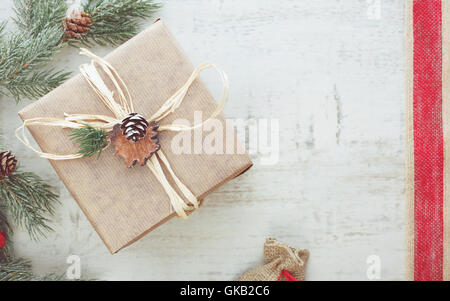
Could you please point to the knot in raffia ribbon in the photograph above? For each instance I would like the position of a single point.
(121, 105)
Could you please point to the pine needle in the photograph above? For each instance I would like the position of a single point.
(2, 30)
(34, 16)
(16, 270)
(20, 270)
(4, 225)
(115, 21)
(91, 140)
(29, 200)
(40, 35)
(37, 84)
(31, 48)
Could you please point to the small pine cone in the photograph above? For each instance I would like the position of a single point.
(77, 24)
(8, 164)
(139, 151)
(134, 127)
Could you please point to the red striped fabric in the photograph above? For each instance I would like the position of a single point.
(428, 141)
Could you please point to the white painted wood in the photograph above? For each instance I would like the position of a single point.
(332, 74)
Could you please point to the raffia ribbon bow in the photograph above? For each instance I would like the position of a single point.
(121, 107)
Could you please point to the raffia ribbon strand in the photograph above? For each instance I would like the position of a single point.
(121, 108)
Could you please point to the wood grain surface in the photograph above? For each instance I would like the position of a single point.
(331, 73)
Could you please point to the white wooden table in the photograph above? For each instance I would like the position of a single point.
(332, 73)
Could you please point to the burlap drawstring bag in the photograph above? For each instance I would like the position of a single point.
(278, 257)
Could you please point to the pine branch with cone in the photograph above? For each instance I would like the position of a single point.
(29, 200)
(113, 22)
(44, 28)
(26, 196)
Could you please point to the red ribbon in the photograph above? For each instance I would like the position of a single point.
(288, 276)
(428, 141)
(2, 240)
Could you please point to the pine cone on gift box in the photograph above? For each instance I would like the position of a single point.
(77, 24)
(134, 127)
(8, 164)
(139, 151)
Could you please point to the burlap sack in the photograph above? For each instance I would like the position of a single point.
(278, 257)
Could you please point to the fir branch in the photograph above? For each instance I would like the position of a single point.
(4, 225)
(91, 140)
(20, 270)
(37, 84)
(114, 21)
(33, 16)
(29, 200)
(41, 34)
(22, 55)
(38, 39)
(16, 270)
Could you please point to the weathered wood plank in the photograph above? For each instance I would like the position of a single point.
(334, 79)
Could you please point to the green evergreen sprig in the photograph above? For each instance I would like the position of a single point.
(30, 48)
(34, 16)
(91, 140)
(4, 225)
(25, 53)
(115, 21)
(22, 57)
(20, 269)
(15, 270)
(29, 200)
(2, 30)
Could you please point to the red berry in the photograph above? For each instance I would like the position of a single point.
(2, 240)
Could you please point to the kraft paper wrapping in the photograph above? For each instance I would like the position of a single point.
(124, 204)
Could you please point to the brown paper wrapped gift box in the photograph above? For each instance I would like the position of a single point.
(124, 204)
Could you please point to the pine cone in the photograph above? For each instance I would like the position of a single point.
(77, 24)
(8, 164)
(136, 152)
(134, 127)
